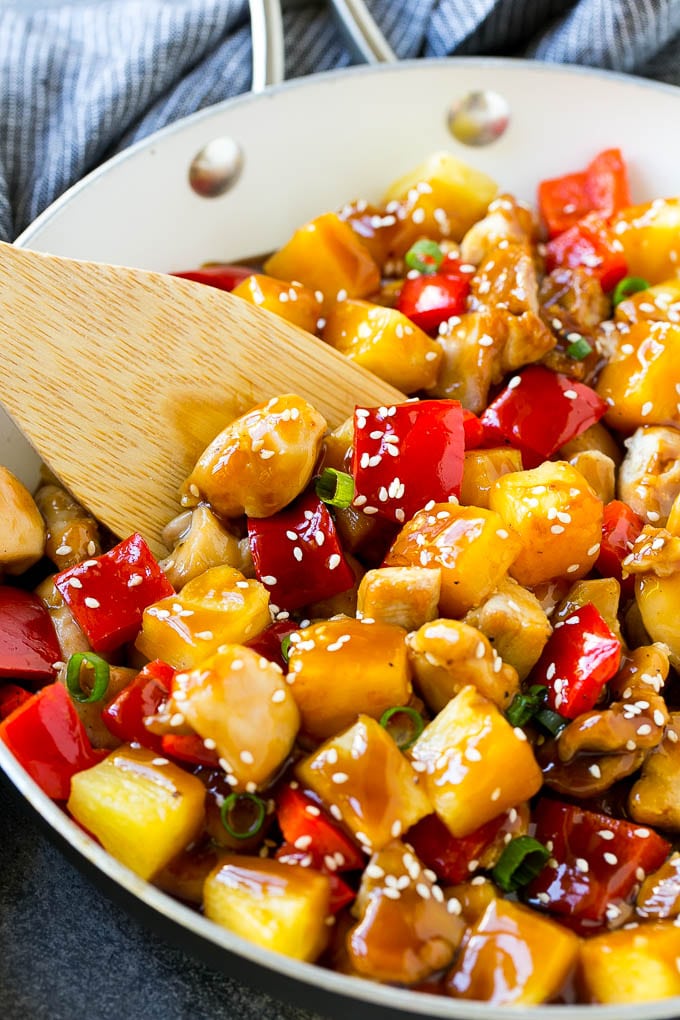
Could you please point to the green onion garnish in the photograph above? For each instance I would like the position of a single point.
(627, 286)
(100, 685)
(425, 257)
(243, 814)
(285, 648)
(525, 706)
(579, 349)
(553, 722)
(522, 860)
(406, 735)
(335, 488)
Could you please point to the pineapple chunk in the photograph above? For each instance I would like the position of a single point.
(385, 342)
(282, 907)
(631, 965)
(661, 303)
(367, 783)
(451, 195)
(605, 595)
(472, 898)
(470, 545)
(599, 471)
(142, 812)
(475, 765)
(239, 700)
(447, 655)
(650, 236)
(260, 462)
(219, 606)
(639, 381)
(515, 622)
(482, 468)
(326, 256)
(184, 876)
(401, 938)
(514, 957)
(673, 522)
(340, 668)
(659, 895)
(291, 301)
(657, 599)
(404, 596)
(558, 518)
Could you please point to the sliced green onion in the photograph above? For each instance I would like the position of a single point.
(525, 706)
(404, 736)
(522, 860)
(627, 286)
(579, 349)
(335, 488)
(100, 685)
(553, 722)
(285, 648)
(424, 256)
(243, 814)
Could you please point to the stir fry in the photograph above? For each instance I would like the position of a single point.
(402, 699)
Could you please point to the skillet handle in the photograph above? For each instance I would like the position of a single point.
(266, 27)
(365, 40)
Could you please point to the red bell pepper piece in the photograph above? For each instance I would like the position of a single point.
(449, 857)
(268, 642)
(307, 827)
(341, 893)
(297, 554)
(46, 736)
(580, 657)
(143, 697)
(188, 747)
(473, 430)
(620, 527)
(12, 697)
(592, 246)
(602, 187)
(222, 275)
(109, 594)
(29, 646)
(406, 455)
(539, 411)
(430, 299)
(596, 862)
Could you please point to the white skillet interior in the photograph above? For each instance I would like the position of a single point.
(309, 146)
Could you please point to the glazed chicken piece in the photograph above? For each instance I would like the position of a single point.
(506, 222)
(649, 477)
(72, 534)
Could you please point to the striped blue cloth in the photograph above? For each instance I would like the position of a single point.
(78, 82)
(81, 80)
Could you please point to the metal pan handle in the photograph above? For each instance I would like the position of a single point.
(365, 40)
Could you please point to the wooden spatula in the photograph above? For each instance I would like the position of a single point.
(120, 377)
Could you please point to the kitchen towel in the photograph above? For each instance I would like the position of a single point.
(78, 82)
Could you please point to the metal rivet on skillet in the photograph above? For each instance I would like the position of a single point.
(216, 168)
(479, 118)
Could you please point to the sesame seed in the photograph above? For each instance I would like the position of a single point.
(610, 858)
(472, 754)
(92, 603)
(556, 529)
(454, 906)
(247, 757)
(392, 894)
(297, 553)
(302, 842)
(473, 865)
(595, 771)
(543, 897)
(496, 793)
(644, 730)
(334, 561)
(642, 833)
(207, 635)
(160, 761)
(582, 865)
(339, 778)
(177, 719)
(519, 733)
(279, 696)
(396, 828)
(63, 550)
(640, 874)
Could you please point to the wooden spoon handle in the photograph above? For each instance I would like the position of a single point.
(120, 377)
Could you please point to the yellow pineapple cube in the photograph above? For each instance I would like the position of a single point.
(218, 607)
(482, 468)
(341, 668)
(326, 256)
(639, 382)
(557, 517)
(650, 237)
(291, 301)
(385, 342)
(514, 957)
(472, 547)
(366, 782)
(144, 813)
(278, 906)
(631, 965)
(474, 764)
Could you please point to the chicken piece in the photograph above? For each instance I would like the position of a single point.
(659, 895)
(481, 348)
(23, 529)
(71, 638)
(655, 798)
(91, 712)
(513, 620)
(655, 551)
(405, 596)
(506, 222)
(72, 534)
(649, 477)
(605, 595)
(598, 439)
(506, 277)
(599, 471)
(655, 559)
(203, 543)
(574, 298)
(586, 776)
(447, 655)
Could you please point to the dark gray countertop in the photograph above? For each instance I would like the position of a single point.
(67, 952)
